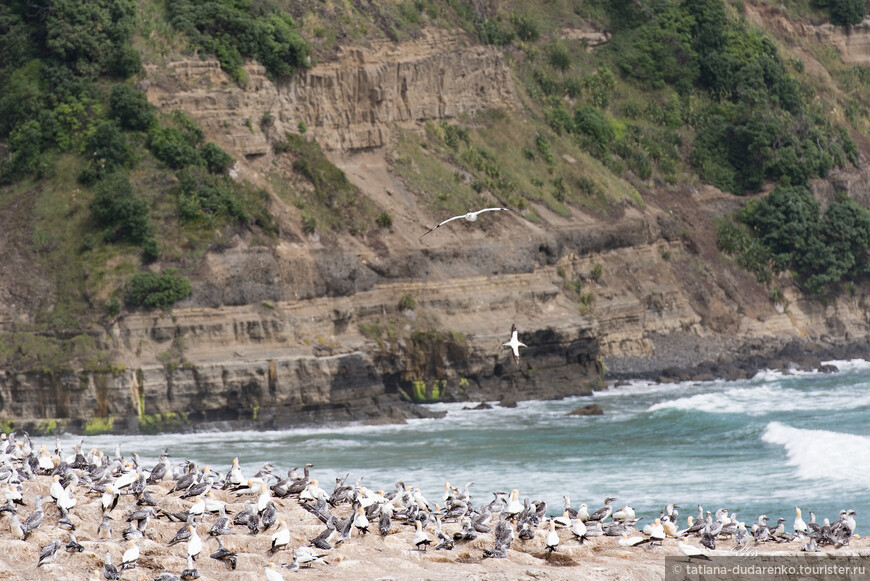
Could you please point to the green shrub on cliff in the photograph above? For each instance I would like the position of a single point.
(756, 122)
(121, 214)
(233, 31)
(844, 12)
(152, 290)
(789, 233)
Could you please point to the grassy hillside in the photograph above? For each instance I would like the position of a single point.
(116, 203)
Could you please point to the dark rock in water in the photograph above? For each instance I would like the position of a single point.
(828, 368)
(481, 406)
(591, 409)
(508, 402)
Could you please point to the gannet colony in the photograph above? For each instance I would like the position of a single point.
(96, 515)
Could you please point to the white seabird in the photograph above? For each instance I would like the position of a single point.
(421, 539)
(281, 537)
(552, 540)
(691, 551)
(626, 541)
(128, 561)
(305, 556)
(272, 573)
(514, 506)
(514, 344)
(578, 529)
(194, 543)
(800, 526)
(470, 216)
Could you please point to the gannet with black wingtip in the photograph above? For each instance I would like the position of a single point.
(109, 499)
(127, 478)
(626, 541)
(280, 538)
(691, 551)
(563, 521)
(361, 521)
(514, 344)
(305, 556)
(552, 540)
(578, 529)
(131, 555)
(470, 216)
(421, 539)
(194, 543)
(656, 532)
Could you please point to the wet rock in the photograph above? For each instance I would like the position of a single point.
(481, 406)
(591, 409)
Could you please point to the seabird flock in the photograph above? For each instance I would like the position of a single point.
(123, 490)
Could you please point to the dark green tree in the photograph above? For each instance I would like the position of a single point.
(131, 107)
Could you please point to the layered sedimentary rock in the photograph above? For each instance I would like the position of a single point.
(350, 103)
(358, 328)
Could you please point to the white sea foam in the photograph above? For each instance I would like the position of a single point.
(823, 454)
(769, 398)
(633, 388)
(849, 365)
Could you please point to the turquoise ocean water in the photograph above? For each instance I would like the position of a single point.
(759, 446)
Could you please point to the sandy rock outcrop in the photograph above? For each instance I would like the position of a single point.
(348, 103)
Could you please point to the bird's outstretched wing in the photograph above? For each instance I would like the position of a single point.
(472, 218)
(490, 210)
(442, 223)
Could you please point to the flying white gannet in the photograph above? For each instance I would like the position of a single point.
(471, 217)
(514, 345)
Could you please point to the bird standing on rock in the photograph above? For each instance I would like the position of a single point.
(48, 552)
(224, 554)
(194, 543)
(552, 541)
(272, 573)
(110, 572)
(691, 551)
(421, 539)
(281, 538)
(131, 555)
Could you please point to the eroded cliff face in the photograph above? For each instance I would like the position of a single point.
(351, 103)
(312, 330)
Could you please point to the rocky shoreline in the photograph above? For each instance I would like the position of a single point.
(680, 357)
